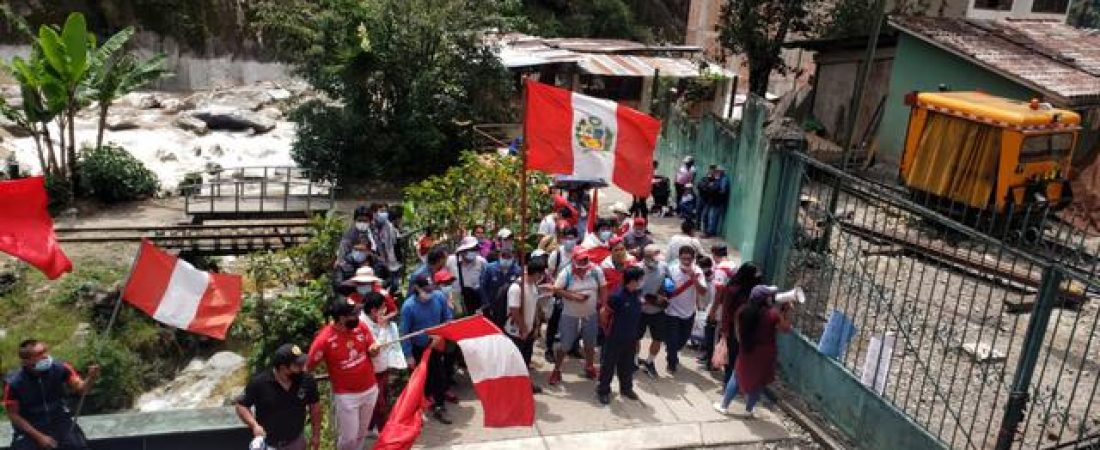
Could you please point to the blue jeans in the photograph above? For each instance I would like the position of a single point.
(677, 332)
(712, 218)
(731, 391)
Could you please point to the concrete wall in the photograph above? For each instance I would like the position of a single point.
(836, 77)
(857, 411)
(195, 72)
(919, 66)
(206, 429)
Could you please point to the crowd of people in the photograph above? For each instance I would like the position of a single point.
(590, 296)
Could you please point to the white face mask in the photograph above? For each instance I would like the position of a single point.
(361, 226)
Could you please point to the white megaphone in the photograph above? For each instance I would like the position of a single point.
(793, 295)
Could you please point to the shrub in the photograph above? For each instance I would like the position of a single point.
(60, 193)
(317, 254)
(293, 317)
(112, 174)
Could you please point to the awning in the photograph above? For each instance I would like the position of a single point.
(645, 66)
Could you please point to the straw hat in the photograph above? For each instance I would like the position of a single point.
(365, 275)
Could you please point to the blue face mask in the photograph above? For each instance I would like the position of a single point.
(43, 364)
(569, 244)
(605, 236)
(446, 290)
(469, 256)
(382, 217)
(359, 256)
(363, 290)
(505, 263)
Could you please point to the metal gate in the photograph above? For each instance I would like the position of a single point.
(982, 343)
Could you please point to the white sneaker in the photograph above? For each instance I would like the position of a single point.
(718, 407)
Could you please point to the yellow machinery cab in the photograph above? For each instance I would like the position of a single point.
(987, 152)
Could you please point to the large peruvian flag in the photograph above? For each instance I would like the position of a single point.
(176, 293)
(26, 230)
(590, 138)
(405, 421)
(499, 374)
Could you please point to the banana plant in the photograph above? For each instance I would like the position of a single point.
(115, 72)
(67, 53)
(41, 104)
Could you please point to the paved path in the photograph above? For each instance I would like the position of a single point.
(674, 411)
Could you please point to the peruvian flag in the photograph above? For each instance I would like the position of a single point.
(589, 138)
(26, 230)
(499, 374)
(176, 293)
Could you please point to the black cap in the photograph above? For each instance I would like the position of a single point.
(342, 307)
(719, 246)
(422, 281)
(288, 354)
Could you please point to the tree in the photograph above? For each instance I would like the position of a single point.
(67, 57)
(402, 80)
(1084, 14)
(758, 29)
(116, 72)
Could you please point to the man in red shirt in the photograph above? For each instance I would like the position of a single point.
(345, 347)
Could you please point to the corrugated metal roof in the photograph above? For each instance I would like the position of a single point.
(1048, 56)
(644, 66)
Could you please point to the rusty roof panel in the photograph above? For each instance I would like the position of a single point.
(644, 66)
(1048, 56)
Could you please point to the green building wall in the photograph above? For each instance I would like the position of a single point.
(920, 66)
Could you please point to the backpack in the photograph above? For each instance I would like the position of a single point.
(497, 310)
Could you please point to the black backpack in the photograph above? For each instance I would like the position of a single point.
(497, 310)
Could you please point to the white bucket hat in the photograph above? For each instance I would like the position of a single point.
(365, 275)
(467, 243)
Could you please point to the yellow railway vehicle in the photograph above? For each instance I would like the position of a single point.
(974, 152)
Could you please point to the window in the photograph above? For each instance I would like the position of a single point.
(996, 5)
(1050, 6)
(1046, 146)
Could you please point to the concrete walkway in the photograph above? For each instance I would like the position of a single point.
(674, 411)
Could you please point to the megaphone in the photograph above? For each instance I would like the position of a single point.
(793, 295)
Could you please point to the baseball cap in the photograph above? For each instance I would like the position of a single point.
(639, 221)
(579, 256)
(467, 243)
(504, 233)
(443, 277)
(342, 307)
(422, 281)
(289, 354)
(762, 291)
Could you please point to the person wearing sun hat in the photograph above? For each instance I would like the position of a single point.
(467, 265)
(581, 288)
(366, 282)
(281, 396)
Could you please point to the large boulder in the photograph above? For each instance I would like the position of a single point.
(120, 123)
(192, 124)
(176, 105)
(234, 120)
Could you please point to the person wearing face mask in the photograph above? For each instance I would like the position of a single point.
(581, 288)
(598, 244)
(426, 308)
(281, 396)
(494, 283)
(523, 311)
(360, 229)
(638, 237)
(34, 399)
(467, 265)
(386, 236)
(614, 266)
(689, 291)
(504, 241)
(654, 302)
(623, 310)
(621, 223)
(346, 346)
(389, 358)
(365, 282)
(360, 256)
(555, 263)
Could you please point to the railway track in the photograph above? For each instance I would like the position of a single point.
(209, 239)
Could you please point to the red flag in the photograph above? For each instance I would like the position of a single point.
(593, 211)
(589, 138)
(176, 293)
(26, 230)
(404, 424)
(497, 369)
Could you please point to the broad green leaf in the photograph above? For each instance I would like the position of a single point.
(111, 46)
(76, 42)
(50, 44)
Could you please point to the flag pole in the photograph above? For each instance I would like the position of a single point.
(408, 336)
(522, 244)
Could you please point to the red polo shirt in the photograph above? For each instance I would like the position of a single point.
(346, 356)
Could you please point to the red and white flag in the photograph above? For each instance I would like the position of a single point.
(26, 229)
(590, 138)
(176, 293)
(499, 374)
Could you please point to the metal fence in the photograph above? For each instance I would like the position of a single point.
(981, 341)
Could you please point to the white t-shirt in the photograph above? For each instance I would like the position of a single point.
(471, 273)
(588, 285)
(683, 305)
(559, 259)
(548, 226)
(680, 240)
(530, 306)
(723, 273)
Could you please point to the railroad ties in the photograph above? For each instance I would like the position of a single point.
(208, 239)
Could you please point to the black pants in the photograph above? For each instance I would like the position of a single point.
(471, 300)
(639, 208)
(708, 341)
(526, 347)
(435, 386)
(552, 326)
(677, 333)
(680, 190)
(67, 436)
(617, 359)
(732, 347)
